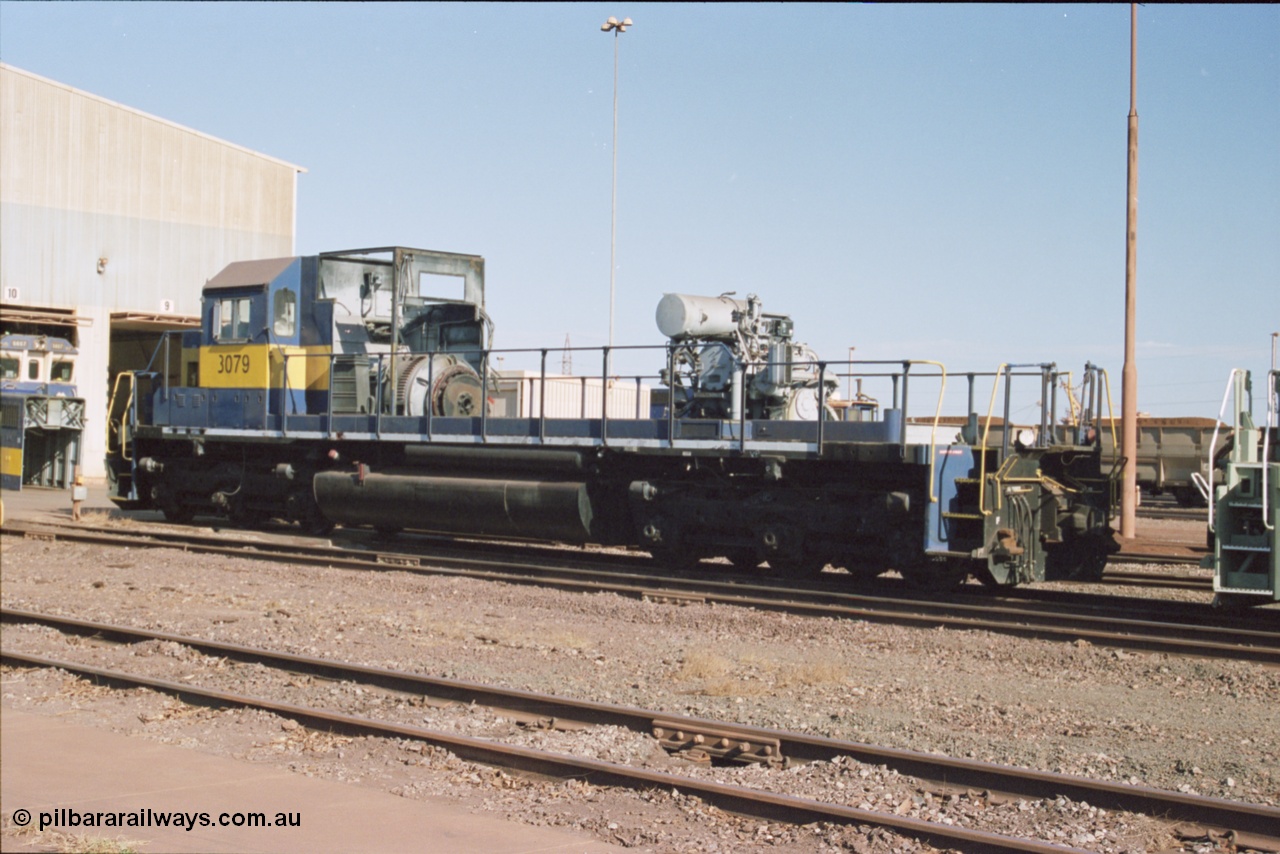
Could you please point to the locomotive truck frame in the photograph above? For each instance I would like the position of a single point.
(339, 389)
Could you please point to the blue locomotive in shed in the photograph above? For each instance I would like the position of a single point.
(41, 416)
(343, 388)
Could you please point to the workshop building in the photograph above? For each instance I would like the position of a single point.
(111, 221)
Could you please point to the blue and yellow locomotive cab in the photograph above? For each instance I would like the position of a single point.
(256, 352)
(41, 417)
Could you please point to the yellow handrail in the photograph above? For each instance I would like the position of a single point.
(115, 390)
(1071, 400)
(982, 449)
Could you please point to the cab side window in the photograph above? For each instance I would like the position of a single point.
(33, 369)
(233, 319)
(285, 311)
(61, 372)
(8, 369)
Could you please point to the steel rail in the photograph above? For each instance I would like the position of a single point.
(756, 803)
(562, 556)
(1153, 579)
(366, 546)
(1108, 630)
(945, 771)
(1181, 514)
(1158, 557)
(496, 550)
(561, 559)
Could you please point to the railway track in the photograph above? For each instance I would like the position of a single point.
(1253, 636)
(441, 548)
(1193, 514)
(1188, 557)
(1155, 579)
(1252, 825)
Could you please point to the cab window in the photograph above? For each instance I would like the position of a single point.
(61, 372)
(33, 369)
(233, 319)
(285, 311)
(8, 369)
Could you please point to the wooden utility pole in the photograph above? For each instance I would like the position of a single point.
(1129, 400)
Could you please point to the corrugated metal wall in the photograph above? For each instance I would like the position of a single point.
(82, 178)
(165, 207)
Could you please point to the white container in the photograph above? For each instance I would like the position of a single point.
(520, 395)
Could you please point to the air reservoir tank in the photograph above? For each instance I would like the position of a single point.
(682, 316)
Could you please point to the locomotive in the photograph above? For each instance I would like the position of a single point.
(341, 388)
(41, 415)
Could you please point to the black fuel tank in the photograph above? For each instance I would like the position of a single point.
(488, 507)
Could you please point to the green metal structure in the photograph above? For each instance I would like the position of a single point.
(1243, 514)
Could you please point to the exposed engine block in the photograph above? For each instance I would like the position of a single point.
(729, 355)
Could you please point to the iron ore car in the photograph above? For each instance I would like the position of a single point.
(343, 389)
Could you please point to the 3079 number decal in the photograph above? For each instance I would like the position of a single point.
(234, 363)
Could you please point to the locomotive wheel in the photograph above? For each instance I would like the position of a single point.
(243, 517)
(675, 559)
(801, 567)
(1092, 565)
(303, 509)
(862, 575)
(938, 575)
(179, 514)
(317, 525)
(988, 580)
(1078, 559)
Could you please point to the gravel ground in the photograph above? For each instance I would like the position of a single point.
(1209, 727)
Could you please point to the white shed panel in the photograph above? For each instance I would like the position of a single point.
(106, 210)
(84, 179)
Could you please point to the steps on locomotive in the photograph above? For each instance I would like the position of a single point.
(1245, 541)
(964, 521)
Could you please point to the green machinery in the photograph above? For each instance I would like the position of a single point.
(1243, 514)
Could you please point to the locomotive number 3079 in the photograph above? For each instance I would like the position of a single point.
(235, 363)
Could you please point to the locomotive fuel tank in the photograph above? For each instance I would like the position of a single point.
(483, 507)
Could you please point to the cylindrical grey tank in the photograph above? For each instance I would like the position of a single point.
(682, 316)
(457, 505)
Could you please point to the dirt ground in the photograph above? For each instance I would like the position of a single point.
(1205, 726)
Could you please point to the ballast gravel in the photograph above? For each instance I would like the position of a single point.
(1191, 725)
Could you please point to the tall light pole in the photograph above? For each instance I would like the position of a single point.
(614, 26)
(1129, 395)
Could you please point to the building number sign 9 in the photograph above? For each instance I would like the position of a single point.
(233, 363)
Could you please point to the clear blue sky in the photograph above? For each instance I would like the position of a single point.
(933, 182)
